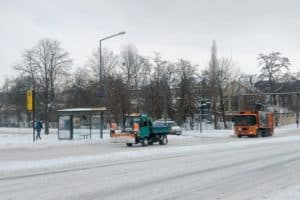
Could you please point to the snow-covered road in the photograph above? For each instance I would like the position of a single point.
(213, 166)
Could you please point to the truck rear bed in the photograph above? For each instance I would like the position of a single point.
(161, 129)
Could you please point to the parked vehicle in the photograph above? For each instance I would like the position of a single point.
(175, 129)
(138, 128)
(254, 123)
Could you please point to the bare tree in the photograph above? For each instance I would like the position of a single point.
(160, 86)
(274, 69)
(158, 75)
(28, 66)
(118, 98)
(110, 62)
(188, 97)
(217, 80)
(46, 63)
(82, 89)
(129, 57)
(227, 73)
(132, 67)
(52, 64)
(211, 75)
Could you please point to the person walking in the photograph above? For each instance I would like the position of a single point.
(38, 127)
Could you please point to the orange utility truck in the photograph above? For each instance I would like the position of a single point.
(254, 123)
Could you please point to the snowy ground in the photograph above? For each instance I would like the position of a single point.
(214, 164)
(22, 137)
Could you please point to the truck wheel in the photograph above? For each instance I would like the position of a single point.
(258, 133)
(129, 144)
(164, 140)
(263, 133)
(144, 142)
(150, 141)
(161, 141)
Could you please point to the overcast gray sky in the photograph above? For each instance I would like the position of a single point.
(176, 28)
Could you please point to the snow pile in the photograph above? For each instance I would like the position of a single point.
(286, 128)
(23, 138)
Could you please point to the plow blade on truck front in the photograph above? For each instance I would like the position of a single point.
(122, 138)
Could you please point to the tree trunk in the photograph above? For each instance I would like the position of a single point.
(47, 127)
(222, 107)
(214, 111)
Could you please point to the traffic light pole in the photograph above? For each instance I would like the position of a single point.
(33, 114)
(201, 119)
(30, 97)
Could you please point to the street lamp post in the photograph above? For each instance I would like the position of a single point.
(102, 91)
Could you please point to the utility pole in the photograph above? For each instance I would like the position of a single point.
(200, 114)
(201, 119)
(101, 81)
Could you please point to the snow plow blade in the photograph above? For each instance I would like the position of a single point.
(122, 138)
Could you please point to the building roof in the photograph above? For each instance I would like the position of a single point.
(99, 109)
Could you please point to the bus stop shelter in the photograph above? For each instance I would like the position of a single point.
(77, 123)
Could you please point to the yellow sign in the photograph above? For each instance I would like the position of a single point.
(29, 100)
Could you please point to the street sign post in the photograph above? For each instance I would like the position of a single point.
(30, 105)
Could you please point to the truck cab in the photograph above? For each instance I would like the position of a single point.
(245, 124)
(138, 124)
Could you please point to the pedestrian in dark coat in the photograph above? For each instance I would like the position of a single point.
(38, 127)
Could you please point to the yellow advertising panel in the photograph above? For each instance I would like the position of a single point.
(29, 100)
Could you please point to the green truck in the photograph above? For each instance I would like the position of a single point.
(139, 128)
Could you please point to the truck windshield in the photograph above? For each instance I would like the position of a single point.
(129, 121)
(244, 120)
